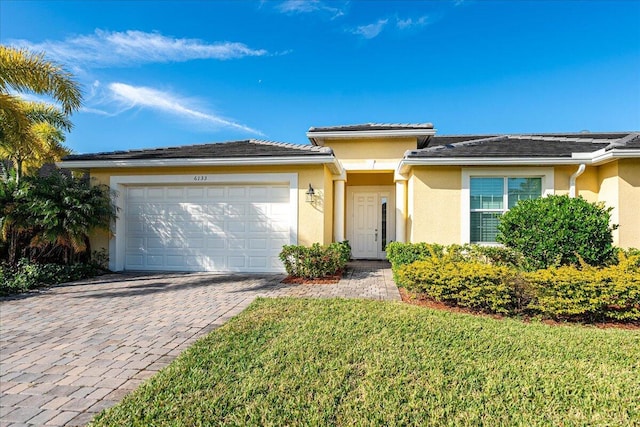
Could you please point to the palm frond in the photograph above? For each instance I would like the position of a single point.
(24, 71)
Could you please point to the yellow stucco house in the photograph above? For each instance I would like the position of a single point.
(231, 206)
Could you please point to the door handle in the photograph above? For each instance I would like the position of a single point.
(376, 235)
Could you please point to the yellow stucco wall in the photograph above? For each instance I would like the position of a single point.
(381, 149)
(313, 224)
(364, 178)
(434, 212)
(587, 184)
(608, 192)
(629, 199)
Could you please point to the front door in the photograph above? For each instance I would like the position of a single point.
(370, 224)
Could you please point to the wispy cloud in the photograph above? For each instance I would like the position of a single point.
(107, 48)
(409, 23)
(371, 30)
(128, 97)
(308, 6)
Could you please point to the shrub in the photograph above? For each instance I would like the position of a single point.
(470, 284)
(555, 230)
(400, 254)
(588, 293)
(25, 275)
(316, 261)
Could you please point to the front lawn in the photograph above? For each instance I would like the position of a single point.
(351, 362)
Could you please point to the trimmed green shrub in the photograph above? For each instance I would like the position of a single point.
(555, 230)
(26, 276)
(315, 261)
(588, 293)
(400, 254)
(470, 284)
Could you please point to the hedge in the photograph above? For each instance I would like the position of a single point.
(582, 292)
(26, 276)
(315, 261)
(472, 284)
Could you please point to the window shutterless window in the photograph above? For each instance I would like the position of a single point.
(490, 197)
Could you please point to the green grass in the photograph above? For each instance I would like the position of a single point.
(349, 362)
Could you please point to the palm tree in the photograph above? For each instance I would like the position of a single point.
(38, 143)
(31, 132)
(24, 71)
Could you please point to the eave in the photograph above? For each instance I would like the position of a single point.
(594, 158)
(330, 161)
(319, 138)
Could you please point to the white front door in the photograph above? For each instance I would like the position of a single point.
(370, 223)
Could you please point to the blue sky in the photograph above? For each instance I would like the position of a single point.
(164, 73)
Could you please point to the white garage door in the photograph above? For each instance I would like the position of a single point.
(206, 227)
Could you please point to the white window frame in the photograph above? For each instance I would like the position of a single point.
(547, 186)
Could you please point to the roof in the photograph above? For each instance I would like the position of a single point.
(524, 146)
(421, 131)
(372, 126)
(231, 149)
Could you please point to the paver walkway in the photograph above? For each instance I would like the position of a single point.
(69, 352)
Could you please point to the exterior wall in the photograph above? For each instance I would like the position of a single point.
(434, 204)
(379, 178)
(371, 154)
(313, 224)
(629, 203)
(609, 193)
(587, 184)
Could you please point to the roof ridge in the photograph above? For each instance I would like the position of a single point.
(291, 145)
(465, 143)
(428, 125)
(622, 142)
(537, 137)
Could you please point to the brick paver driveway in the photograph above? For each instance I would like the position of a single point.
(73, 350)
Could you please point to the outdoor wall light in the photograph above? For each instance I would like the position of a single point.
(310, 193)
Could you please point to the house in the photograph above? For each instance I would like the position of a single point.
(231, 206)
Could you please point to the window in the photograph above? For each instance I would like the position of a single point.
(490, 197)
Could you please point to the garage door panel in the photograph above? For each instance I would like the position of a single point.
(206, 227)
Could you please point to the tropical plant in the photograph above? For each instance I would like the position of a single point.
(32, 133)
(56, 213)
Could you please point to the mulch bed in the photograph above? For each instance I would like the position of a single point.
(415, 299)
(326, 280)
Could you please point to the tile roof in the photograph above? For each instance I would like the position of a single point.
(372, 126)
(231, 149)
(532, 145)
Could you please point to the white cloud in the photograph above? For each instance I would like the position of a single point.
(128, 97)
(372, 30)
(106, 48)
(307, 6)
(405, 24)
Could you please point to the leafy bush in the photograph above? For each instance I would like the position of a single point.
(40, 216)
(555, 230)
(316, 261)
(472, 284)
(400, 254)
(588, 293)
(25, 275)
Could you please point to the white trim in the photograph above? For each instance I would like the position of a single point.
(594, 158)
(401, 211)
(381, 191)
(616, 154)
(336, 168)
(319, 137)
(338, 210)
(120, 182)
(548, 186)
(370, 165)
(573, 178)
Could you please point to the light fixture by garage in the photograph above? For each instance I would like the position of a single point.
(310, 193)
